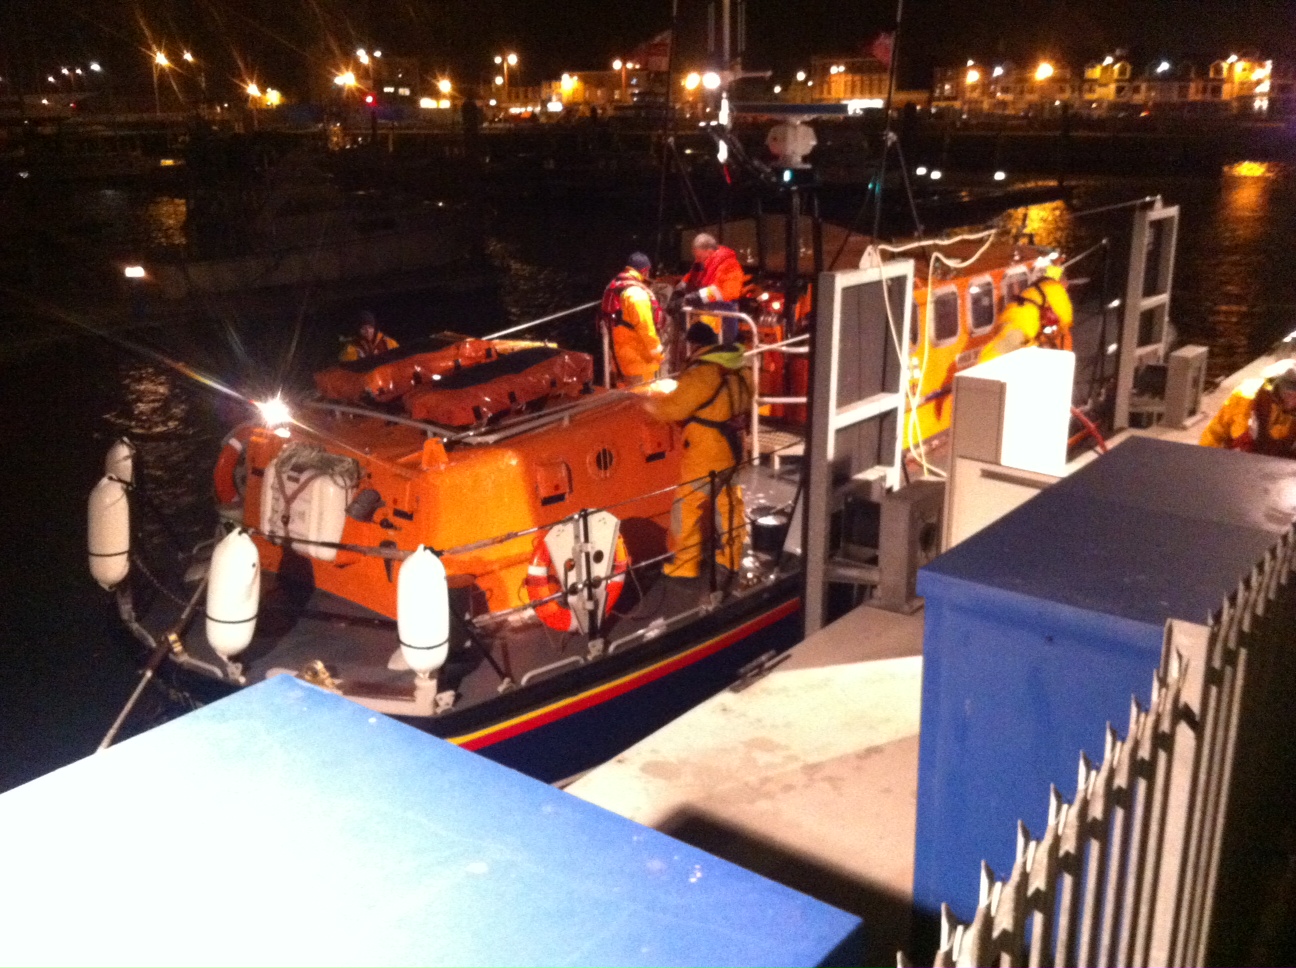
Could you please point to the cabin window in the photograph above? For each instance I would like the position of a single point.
(1013, 284)
(945, 317)
(553, 482)
(981, 305)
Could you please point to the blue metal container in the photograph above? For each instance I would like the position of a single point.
(1040, 628)
(287, 825)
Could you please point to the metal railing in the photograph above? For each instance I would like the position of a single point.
(788, 347)
(1128, 873)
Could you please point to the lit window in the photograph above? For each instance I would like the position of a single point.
(403, 92)
(982, 310)
(389, 90)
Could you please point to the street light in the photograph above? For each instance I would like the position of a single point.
(692, 81)
(505, 61)
(187, 57)
(1044, 71)
(362, 56)
(443, 85)
(253, 90)
(973, 75)
(800, 75)
(159, 61)
(711, 80)
(273, 98)
(94, 66)
(620, 65)
(512, 60)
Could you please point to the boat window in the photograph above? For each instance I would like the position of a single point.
(1014, 281)
(945, 317)
(981, 304)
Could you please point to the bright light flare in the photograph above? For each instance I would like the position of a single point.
(253, 90)
(187, 57)
(160, 59)
(427, 103)
(617, 65)
(937, 174)
(346, 79)
(692, 81)
(134, 272)
(1000, 175)
(711, 80)
(1163, 67)
(512, 60)
(273, 98)
(997, 72)
(275, 412)
(444, 85)
(1044, 71)
(499, 80)
(94, 66)
(800, 75)
(973, 76)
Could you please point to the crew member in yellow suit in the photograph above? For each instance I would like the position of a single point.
(712, 397)
(632, 320)
(368, 340)
(1039, 315)
(1259, 416)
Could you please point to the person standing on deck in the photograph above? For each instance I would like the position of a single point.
(1039, 315)
(368, 341)
(716, 280)
(711, 400)
(631, 318)
(1259, 416)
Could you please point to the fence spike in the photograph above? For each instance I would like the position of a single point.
(987, 882)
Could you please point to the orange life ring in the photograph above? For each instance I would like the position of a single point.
(229, 475)
(542, 581)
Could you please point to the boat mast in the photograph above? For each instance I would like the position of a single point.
(887, 134)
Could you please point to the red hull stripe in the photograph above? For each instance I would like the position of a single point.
(619, 687)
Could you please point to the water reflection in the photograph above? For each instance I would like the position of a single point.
(164, 221)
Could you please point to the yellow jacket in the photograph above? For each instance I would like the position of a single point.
(1022, 322)
(357, 348)
(714, 387)
(637, 347)
(1251, 420)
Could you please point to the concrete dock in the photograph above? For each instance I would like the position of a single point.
(808, 776)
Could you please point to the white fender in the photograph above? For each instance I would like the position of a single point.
(423, 612)
(120, 461)
(233, 594)
(108, 532)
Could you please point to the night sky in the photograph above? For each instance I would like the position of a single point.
(283, 41)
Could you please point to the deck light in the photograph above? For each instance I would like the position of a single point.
(274, 412)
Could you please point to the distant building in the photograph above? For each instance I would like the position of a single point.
(1240, 86)
(601, 89)
(835, 79)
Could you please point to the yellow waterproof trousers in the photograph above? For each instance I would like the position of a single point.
(690, 534)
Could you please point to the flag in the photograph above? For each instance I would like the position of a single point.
(654, 54)
(883, 47)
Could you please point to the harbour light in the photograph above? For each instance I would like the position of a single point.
(778, 88)
(134, 272)
(711, 80)
(801, 75)
(692, 81)
(443, 85)
(253, 91)
(1163, 67)
(973, 75)
(921, 171)
(997, 72)
(94, 66)
(275, 412)
(1000, 176)
(1044, 71)
(937, 174)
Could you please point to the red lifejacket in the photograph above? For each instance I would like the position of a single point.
(722, 270)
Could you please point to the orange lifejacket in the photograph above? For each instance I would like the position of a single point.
(611, 314)
(1258, 438)
(719, 278)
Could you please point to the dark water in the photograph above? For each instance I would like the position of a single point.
(66, 668)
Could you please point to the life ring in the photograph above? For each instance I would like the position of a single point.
(230, 473)
(542, 582)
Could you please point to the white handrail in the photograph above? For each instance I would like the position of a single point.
(543, 319)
